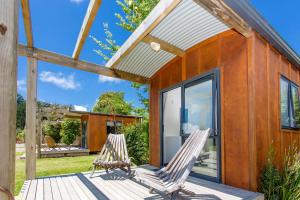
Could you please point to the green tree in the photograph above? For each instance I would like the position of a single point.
(112, 103)
(21, 112)
(132, 15)
(133, 12)
(70, 128)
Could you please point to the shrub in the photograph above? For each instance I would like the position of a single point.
(290, 176)
(70, 128)
(52, 129)
(284, 184)
(137, 139)
(270, 178)
(20, 136)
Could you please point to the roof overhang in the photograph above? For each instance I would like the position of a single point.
(177, 25)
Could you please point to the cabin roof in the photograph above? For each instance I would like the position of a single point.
(183, 24)
(74, 113)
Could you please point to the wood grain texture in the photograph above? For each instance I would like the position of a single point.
(78, 64)
(87, 23)
(270, 65)
(27, 22)
(8, 93)
(228, 51)
(31, 110)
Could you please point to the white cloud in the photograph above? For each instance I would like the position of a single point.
(107, 79)
(80, 108)
(60, 80)
(21, 85)
(76, 1)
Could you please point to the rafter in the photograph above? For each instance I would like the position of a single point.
(164, 45)
(27, 22)
(86, 26)
(226, 14)
(78, 64)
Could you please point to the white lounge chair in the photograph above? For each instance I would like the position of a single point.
(171, 179)
(113, 154)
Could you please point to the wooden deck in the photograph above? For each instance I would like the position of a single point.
(116, 185)
(63, 152)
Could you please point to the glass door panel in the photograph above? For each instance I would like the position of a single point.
(171, 123)
(193, 105)
(199, 106)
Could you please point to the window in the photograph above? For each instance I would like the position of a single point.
(289, 104)
(113, 127)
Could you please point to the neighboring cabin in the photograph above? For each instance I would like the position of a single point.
(96, 126)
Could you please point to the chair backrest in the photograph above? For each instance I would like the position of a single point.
(114, 149)
(182, 163)
(50, 141)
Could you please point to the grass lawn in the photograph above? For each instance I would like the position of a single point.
(53, 166)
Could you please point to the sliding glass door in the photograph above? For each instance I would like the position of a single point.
(193, 105)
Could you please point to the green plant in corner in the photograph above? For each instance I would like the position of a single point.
(270, 177)
(282, 184)
(290, 176)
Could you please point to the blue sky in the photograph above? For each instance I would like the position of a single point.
(56, 24)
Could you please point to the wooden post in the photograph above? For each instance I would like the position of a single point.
(8, 92)
(39, 132)
(30, 135)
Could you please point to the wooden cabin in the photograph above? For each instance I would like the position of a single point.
(96, 126)
(219, 66)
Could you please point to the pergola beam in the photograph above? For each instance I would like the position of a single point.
(27, 22)
(8, 92)
(63, 60)
(86, 26)
(164, 45)
(221, 10)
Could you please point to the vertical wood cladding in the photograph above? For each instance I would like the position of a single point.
(96, 130)
(250, 114)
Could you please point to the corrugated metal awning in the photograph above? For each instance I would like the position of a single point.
(185, 26)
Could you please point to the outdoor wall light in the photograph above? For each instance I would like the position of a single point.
(155, 46)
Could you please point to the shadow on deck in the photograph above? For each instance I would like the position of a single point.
(116, 185)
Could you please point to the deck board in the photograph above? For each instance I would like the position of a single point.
(54, 189)
(116, 185)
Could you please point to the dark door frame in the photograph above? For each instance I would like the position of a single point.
(213, 75)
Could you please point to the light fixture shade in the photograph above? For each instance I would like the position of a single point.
(155, 46)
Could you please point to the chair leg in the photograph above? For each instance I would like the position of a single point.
(94, 168)
(129, 170)
(174, 195)
(151, 190)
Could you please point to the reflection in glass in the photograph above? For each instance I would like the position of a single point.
(296, 106)
(284, 88)
(171, 123)
(198, 107)
(198, 114)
